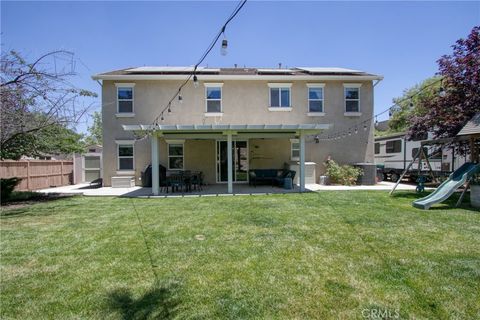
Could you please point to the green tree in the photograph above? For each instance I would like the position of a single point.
(448, 112)
(39, 104)
(406, 108)
(95, 131)
(52, 139)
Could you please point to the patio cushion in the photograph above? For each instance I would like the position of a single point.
(272, 176)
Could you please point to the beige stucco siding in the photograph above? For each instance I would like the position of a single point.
(269, 153)
(243, 102)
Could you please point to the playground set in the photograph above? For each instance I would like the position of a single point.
(460, 177)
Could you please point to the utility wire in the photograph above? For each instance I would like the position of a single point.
(342, 133)
(202, 58)
(339, 134)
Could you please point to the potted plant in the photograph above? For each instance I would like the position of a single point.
(475, 191)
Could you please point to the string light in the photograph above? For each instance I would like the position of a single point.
(162, 117)
(193, 75)
(169, 108)
(195, 81)
(223, 48)
(395, 107)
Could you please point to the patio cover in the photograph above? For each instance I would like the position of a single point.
(218, 128)
(228, 130)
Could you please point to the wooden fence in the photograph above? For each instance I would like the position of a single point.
(38, 174)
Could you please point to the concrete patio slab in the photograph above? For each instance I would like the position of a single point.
(213, 190)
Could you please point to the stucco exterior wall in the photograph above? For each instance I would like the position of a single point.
(243, 102)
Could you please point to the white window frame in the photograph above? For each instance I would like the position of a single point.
(125, 143)
(175, 143)
(280, 86)
(315, 113)
(213, 85)
(292, 141)
(123, 86)
(352, 86)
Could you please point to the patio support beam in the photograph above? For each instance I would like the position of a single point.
(155, 163)
(302, 161)
(230, 162)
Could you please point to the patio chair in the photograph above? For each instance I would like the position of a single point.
(177, 182)
(197, 180)
(187, 179)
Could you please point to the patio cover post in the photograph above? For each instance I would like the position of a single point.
(155, 164)
(302, 161)
(230, 164)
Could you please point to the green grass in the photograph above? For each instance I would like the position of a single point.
(295, 256)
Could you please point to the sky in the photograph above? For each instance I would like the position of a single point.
(400, 40)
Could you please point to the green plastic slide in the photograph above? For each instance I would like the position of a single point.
(448, 187)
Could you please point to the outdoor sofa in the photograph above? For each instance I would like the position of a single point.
(270, 176)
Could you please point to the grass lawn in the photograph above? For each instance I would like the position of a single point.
(347, 255)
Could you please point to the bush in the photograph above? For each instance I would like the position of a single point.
(345, 175)
(7, 186)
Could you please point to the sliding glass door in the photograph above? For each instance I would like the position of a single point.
(240, 161)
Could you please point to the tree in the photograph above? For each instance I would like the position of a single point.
(95, 131)
(38, 101)
(407, 107)
(53, 139)
(446, 114)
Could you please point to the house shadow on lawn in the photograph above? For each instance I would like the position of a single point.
(20, 202)
(159, 302)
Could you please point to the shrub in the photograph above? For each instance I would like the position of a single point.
(344, 175)
(7, 186)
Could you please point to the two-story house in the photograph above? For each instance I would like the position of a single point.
(268, 118)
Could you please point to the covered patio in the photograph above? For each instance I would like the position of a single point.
(213, 190)
(229, 134)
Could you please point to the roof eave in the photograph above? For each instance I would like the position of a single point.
(238, 77)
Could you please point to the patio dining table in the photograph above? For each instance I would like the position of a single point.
(182, 180)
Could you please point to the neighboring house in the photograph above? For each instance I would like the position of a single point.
(268, 118)
(382, 126)
(49, 157)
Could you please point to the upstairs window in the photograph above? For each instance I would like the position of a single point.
(394, 146)
(124, 97)
(377, 148)
(315, 98)
(280, 95)
(125, 157)
(214, 98)
(352, 97)
(175, 156)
